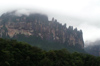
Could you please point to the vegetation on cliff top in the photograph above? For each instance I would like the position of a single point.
(37, 30)
(46, 45)
(13, 53)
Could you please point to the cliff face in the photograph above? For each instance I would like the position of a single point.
(38, 25)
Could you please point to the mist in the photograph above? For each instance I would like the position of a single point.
(85, 15)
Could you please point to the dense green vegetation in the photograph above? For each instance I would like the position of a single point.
(45, 44)
(13, 53)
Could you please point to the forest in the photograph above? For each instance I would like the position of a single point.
(14, 53)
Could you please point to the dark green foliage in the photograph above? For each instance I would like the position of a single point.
(13, 53)
(45, 44)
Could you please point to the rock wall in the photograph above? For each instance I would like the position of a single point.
(38, 25)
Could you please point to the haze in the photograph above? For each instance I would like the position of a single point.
(83, 14)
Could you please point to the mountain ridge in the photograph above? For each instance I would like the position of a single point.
(38, 25)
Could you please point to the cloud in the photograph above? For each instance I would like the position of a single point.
(91, 32)
(83, 14)
(92, 43)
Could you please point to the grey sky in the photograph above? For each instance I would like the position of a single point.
(83, 14)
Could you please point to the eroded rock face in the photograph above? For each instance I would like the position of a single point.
(39, 25)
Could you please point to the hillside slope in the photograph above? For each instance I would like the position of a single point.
(13, 53)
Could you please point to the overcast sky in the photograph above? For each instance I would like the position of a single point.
(83, 14)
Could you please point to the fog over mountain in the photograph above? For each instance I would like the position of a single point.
(94, 43)
(93, 47)
(84, 15)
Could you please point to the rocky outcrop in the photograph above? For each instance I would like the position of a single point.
(38, 25)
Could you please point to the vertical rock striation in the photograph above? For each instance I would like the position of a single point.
(38, 25)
